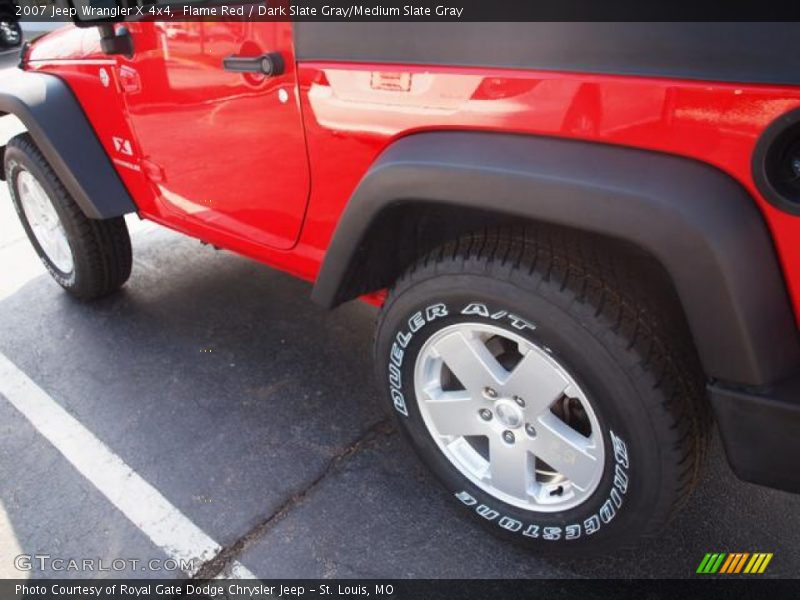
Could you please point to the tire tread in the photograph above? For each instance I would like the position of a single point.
(591, 273)
(104, 245)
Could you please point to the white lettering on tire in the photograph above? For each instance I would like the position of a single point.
(397, 352)
(573, 532)
(487, 513)
(480, 309)
(510, 524)
(531, 531)
(466, 498)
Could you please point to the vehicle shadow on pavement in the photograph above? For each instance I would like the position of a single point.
(254, 412)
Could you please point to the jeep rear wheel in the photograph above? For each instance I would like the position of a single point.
(88, 257)
(556, 402)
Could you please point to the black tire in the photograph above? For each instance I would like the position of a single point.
(621, 340)
(100, 249)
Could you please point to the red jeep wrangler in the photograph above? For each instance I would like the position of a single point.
(583, 237)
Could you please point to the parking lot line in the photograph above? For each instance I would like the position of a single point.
(140, 502)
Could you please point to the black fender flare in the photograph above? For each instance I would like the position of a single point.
(48, 108)
(698, 222)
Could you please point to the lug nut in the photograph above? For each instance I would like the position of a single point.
(485, 414)
(489, 392)
(520, 402)
(508, 437)
(530, 430)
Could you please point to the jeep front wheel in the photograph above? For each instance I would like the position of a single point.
(556, 402)
(88, 257)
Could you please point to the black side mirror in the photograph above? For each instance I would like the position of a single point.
(116, 41)
(103, 14)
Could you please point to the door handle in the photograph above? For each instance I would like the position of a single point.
(270, 64)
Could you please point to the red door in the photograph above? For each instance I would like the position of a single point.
(224, 149)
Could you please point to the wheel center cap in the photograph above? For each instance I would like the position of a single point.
(508, 413)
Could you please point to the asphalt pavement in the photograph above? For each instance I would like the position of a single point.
(253, 413)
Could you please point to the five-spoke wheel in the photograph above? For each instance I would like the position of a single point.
(509, 416)
(44, 222)
(556, 404)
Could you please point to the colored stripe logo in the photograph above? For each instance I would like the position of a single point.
(734, 562)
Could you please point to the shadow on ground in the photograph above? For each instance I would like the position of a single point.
(222, 384)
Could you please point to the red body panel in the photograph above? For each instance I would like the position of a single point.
(351, 112)
(223, 151)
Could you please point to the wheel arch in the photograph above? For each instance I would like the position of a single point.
(697, 222)
(51, 113)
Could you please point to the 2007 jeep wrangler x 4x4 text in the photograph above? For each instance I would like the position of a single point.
(584, 238)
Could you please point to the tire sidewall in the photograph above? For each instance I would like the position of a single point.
(16, 161)
(632, 476)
